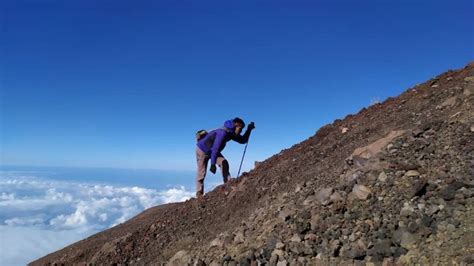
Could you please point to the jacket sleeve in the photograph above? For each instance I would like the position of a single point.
(242, 139)
(217, 144)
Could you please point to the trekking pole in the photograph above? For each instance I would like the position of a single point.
(243, 155)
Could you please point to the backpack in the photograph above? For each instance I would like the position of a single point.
(201, 134)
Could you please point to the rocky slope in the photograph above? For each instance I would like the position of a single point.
(392, 184)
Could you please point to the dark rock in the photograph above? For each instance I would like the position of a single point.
(299, 248)
(419, 189)
(346, 231)
(285, 215)
(398, 251)
(380, 250)
(200, 262)
(227, 258)
(448, 192)
(335, 248)
(356, 253)
(266, 253)
(243, 261)
(417, 133)
(271, 243)
(412, 227)
(407, 239)
(302, 226)
(381, 234)
(468, 259)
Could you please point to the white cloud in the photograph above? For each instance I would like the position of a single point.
(56, 213)
(21, 245)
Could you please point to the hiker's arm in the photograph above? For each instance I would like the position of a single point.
(215, 147)
(242, 139)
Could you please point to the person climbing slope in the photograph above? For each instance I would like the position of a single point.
(210, 145)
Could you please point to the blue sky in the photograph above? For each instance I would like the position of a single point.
(127, 83)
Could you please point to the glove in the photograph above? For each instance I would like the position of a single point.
(213, 169)
(251, 126)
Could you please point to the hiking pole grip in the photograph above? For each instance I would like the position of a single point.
(243, 155)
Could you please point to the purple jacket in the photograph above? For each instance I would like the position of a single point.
(214, 142)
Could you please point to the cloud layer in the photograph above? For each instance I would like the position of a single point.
(57, 213)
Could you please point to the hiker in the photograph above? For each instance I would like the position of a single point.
(210, 145)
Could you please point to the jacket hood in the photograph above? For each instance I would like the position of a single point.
(229, 124)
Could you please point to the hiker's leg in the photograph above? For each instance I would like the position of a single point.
(202, 160)
(224, 165)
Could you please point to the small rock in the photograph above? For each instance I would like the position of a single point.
(310, 237)
(278, 253)
(432, 209)
(352, 237)
(406, 211)
(417, 132)
(419, 189)
(322, 195)
(469, 79)
(467, 92)
(356, 253)
(468, 259)
(282, 263)
(412, 227)
(273, 260)
(412, 173)
(449, 102)
(450, 228)
(239, 238)
(398, 251)
(361, 192)
(381, 248)
(227, 258)
(407, 240)
(199, 262)
(421, 206)
(345, 231)
(336, 197)
(335, 247)
(449, 192)
(388, 262)
(295, 238)
(179, 258)
(382, 177)
(217, 242)
(285, 215)
(344, 130)
(353, 177)
(280, 245)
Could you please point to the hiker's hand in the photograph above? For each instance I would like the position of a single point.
(251, 126)
(213, 169)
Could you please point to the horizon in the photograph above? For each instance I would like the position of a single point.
(247, 165)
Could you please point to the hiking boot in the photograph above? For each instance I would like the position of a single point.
(199, 195)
